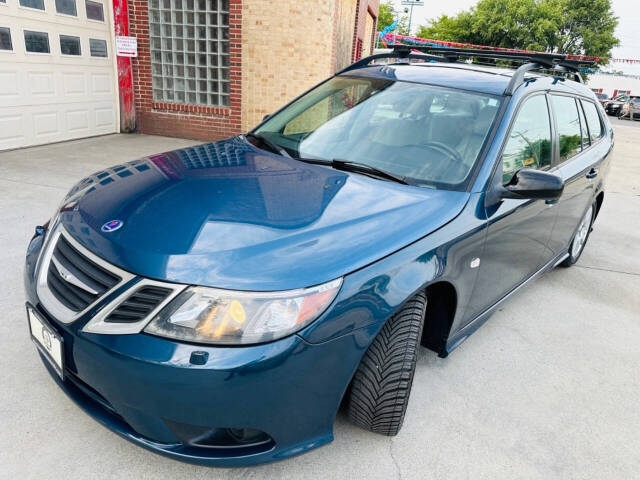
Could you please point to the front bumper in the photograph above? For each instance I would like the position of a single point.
(142, 386)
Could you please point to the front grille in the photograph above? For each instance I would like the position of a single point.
(74, 280)
(140, 304)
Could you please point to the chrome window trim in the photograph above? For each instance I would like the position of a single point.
(47, 298)
(98, 324)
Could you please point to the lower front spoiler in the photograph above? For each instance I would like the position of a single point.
(95, 408)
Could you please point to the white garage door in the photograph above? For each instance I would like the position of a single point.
(56, 71)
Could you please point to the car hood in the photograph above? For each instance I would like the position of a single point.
(229, 215)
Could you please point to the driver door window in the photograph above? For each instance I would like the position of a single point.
(529, 142)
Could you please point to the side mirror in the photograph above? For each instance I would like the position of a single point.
(266, 117)
(533, 184)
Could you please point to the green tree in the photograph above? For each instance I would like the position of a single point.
(579, 27)
(387, 15)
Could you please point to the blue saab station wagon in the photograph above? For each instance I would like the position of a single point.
(218, 303)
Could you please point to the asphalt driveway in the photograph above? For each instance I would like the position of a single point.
(548, 388)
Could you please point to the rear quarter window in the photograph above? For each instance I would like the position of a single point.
(593, 120)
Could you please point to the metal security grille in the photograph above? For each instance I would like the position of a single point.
(190, 51)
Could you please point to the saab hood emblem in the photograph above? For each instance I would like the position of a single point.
(112, 226)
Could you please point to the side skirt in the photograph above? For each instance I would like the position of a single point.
(464, 333)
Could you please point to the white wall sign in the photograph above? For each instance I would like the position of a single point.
(126, 46)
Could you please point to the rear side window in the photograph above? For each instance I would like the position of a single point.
(593, 120)
(568, 123)
(529, 142)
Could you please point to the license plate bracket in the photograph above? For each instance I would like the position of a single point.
(49, 342)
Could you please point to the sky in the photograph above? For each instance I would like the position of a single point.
(628, 30)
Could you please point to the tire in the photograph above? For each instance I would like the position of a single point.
(382, 383)
(581, 236)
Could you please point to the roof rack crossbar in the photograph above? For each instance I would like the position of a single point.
(396, 53)
(535, 60)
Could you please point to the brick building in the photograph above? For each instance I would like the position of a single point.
(204, 69)
(208, 69)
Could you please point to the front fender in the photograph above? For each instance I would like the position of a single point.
(373, 294)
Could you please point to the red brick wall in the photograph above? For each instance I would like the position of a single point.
(365, 7)
(176, 119)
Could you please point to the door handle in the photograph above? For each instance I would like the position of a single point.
(593, 173)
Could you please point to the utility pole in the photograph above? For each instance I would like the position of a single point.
(411, 4)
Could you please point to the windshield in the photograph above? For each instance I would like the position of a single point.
(430, 135)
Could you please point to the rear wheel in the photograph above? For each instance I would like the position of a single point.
(381, 386)
(580, 238)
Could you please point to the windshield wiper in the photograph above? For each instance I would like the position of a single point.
(349, 166)
(271, 145)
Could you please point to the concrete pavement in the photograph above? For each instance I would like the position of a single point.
(548, 388)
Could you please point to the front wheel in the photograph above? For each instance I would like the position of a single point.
(380, 388)
(580, 238)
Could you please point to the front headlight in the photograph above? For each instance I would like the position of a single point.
(209, 315)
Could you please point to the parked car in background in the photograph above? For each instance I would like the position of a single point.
(602, 98)
(218, 303)
(614, 107)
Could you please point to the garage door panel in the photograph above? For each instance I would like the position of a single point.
(105, 118)
(9, 85)
(74, 84)
(12, 133)
(77, 120)
(53, 97)
(41, 84)
(101, 84)
(46, 124)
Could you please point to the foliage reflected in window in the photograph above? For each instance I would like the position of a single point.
(70, 45)
(5, 39)
(593, 120)
(568, 122)
(98, 48)
(584, 131)
(94, 10)
(529, 143)
(36, 42)
(68, 7)
(37, 4)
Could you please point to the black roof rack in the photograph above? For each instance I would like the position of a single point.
(535, 60)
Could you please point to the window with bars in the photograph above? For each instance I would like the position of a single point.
(190, 51)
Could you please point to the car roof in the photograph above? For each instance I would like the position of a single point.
(477, 78)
